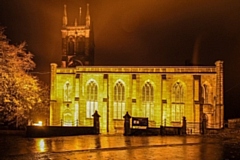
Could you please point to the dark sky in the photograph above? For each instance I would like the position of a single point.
(136, 32)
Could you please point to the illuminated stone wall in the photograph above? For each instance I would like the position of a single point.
(163, 94)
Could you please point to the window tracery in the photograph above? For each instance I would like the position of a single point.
(147, 99)
(119, 100)
(92, 102)
(177, 109)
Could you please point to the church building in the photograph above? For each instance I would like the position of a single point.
(163, 94)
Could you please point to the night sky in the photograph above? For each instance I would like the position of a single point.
(136, 32)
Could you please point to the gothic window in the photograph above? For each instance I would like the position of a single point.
(67, 92)
(147, 99)
(206, 94)
(92, 103)
(71, 46)
(177, 102)
(80, 45)
(119, 101)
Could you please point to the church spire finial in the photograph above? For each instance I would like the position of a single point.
(65, 15)
(88, 17)
(75, 23)
(80, 16)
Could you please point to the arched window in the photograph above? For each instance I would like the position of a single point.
(119, 101)
(67, 117)
(206, 94)
(147, 100)
(177, 102)
(80, 45)
(71, 46)
(67, 92)
(92, 103)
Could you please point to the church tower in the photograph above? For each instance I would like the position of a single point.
(77, 41)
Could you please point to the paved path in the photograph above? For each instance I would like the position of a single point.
(116, 147)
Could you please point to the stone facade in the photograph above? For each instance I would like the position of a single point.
(164, 94)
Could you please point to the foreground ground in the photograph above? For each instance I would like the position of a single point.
(223, 146)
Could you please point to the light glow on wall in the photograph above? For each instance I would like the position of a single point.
(39, 123)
